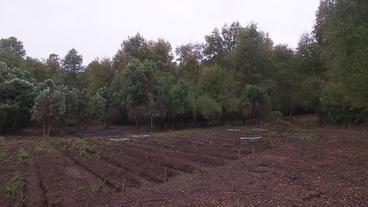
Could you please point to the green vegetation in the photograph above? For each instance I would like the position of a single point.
(80, 145)
(275, 117)
(236, 75)
(3, 155)
(45, 147)
(93, 188)
(97, 187)
(304, 136)
(15, 187)
(22, 156)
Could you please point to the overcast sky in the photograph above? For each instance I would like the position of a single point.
(96, 28)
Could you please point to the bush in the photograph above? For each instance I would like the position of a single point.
(256, 100)
(208, 108)
(275, 116)
(16, 100)
(337, 108)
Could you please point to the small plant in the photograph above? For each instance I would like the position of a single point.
(93, 188)
(97, 187)
(15, 187)
(80, 145)
(275, 117)
(45, 148)
(3, 155)
(22, 155)
(83, 188)
(360, 151)
(305, 136)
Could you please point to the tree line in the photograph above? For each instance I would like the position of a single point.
(237, 74)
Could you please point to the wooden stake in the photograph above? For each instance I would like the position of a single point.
(166, 174)
(124, 185)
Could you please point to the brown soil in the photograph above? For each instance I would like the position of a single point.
(292, 166)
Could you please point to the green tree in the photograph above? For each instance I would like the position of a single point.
(255, 101)
(252, 56)
(131, 48)
(190, 57)
(284, 94)
(159, 52)
(342, 33)
(16, 101)
(7, 73)
(208, 108)
(80, 107)
(49, 109)
(72, 68)
(72, 62)
(104, 96)
(221, 44)
(11, 51)
(54, 67)
(138, 86)
(36, 68)
(99, 74)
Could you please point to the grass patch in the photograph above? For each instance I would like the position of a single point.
(97, 187)
(3, 156)
(361, 151)
(22, 155)
(304, 136)
(45, 148)
(15, 187)
(93, 188)
(81, 146)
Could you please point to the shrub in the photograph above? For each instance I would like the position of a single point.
(208, 108)
(275, 116)
(16, 100)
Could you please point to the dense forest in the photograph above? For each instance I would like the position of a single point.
(237, 74)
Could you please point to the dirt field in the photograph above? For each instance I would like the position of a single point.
(291, 166)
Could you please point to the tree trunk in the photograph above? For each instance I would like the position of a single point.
(151, 122)
(106, 124)
(194, 120)
(48, 130)
(44, 128)
(136, 122)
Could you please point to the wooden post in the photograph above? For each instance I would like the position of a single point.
(199, 167)
(124, 185)
(166, 174)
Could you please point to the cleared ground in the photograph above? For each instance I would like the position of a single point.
(291, 166)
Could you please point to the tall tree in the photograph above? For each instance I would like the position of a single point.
(37, 69)
(11, 51)
(220, 44)
(72, 62)
(190, 57)
(71, 68)
(159, 52)
(252, 56)
(342, 27)
(99, 74)
(131, 48)
(54, 67)
(137, 88)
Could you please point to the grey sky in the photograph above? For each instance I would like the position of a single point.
(96, 28)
